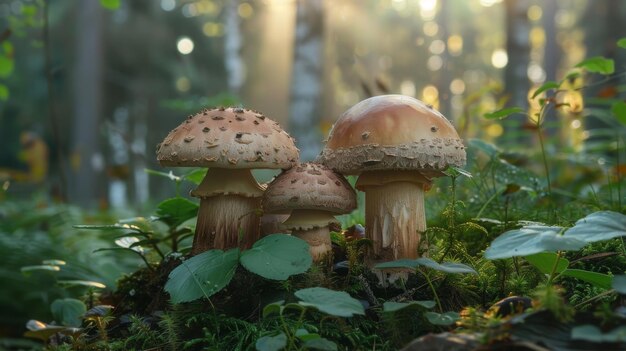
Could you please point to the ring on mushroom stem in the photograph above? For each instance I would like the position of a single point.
(407, 143)
(230, 142)
(314, 194)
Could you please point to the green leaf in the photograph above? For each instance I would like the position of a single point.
(320, 344)
(505, 112)
(4, 92)
(619, 111)
(592, 333)
(43, 267)
(108, 227)
(6, 66)
(202, 275)
(448, 267)
(175, 211)
(546, 86)
(445, 319)
(196, 176)
(272, 343)
(334, 303)
(43, 331)
(110, 4)
(544, 261)
(68, 312)
(54, 262)
(596, 279)
(530, 240)
(277, 256)
(86, 283)
(391, 306)
(598, 226)
(622, 43)
(598, 64)
(305, 335)
(619, 283)
(273, 308)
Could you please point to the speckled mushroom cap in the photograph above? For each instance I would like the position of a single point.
(309, 186)
(392, 132)
(228, 138)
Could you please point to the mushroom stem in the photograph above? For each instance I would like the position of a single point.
(394, 214)
(312, 227)
(230, 200)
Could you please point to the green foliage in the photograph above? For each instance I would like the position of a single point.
(598, 64)
(447, 267)
(275, 257)
(503, 113)
(202, 275)
(68, 312)
(334, 303)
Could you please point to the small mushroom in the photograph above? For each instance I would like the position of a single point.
(229, 195)
(310, 191)
(408, 144)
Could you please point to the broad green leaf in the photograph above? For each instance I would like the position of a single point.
(131, 243)
(598, 226)
(196, 176)
(592, 333)
(272, 343)
(334, 303)
(175, 211)
(110, 4)
(598, 64)
(391, 306)
(6, 66)
(68, 312)
(546, 86)
(202, 275)
(619, 283)
(305, 335)
(448, 267)
(622, 43)
(320, 344)
(544, 261)
(597, 279)
(273, 308)
(445, 319)
(4, 92)
(277, 256)
(530, 240)
(86, 283)
(619, 111)
(505, 112)
(490, 149)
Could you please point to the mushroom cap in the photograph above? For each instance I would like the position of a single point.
(228, 138)
(392, 132)
(309, 186)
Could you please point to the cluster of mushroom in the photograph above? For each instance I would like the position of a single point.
(396, 144)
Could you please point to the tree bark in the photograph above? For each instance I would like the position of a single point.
(88, 161)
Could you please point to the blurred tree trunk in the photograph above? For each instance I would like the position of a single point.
(306, 79)
(516, 83)
(445, 102)
(87, 161)
(235, 68)
(551, 60)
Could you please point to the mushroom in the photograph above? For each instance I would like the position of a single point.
(397, 144)
(230, 142)
(314, 194)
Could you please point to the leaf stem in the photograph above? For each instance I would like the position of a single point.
(432, 287)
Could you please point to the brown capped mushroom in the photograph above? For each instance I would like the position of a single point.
(396, 144)
(230, 144)
(314, 194)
